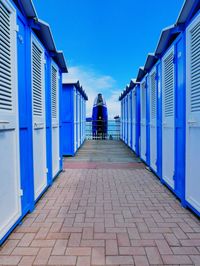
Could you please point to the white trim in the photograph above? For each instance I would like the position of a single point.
(14, 112)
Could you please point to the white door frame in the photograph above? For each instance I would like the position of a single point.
(192, 184)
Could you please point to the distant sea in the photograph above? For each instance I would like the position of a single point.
(113, 129)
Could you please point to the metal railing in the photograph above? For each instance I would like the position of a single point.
(100, 130)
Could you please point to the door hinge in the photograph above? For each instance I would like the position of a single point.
(21, 193)
(16, 28)
(47, 170)
(45, 61)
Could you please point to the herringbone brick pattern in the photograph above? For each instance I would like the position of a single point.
(105, 217)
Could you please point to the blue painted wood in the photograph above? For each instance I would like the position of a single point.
(180, 105)
(159, 119)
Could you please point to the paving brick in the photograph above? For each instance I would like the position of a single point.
(153, 255)
(16, 236)
(195, 259)
(25, 251)
(8, 247)
(75, 239)
(10, 260)
(92, 243)
(98, 256)
(43, 256)
(62, 260)
(122, 260)
(133, 251)
(172, 240)
(111, 247)
(123, 239)
(143, 243)
(43, 243)
(78, 251)
(27, 261)
(83, 261)
(26, 240)
(185, 250)
(42, 233)
(105, 236)
(60, 247)
(141, 261)
(133, 233)
(163, 247)
(54, 236)
(87, 233)
(176, 259)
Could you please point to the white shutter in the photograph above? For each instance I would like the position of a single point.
(143, 86)
(193, 113)
(195, 68)
(169, 85)
(54, 88)
(5, 59)
(37, 56)
(153, 95)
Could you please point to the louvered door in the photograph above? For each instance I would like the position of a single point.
(168, 123)
(55, 119)
(123, 119)
(39, 125)
(75, 119)
(153, 122)
(10, 198)
(143, 119)
(193, 114)
(129, 120)
(133, 119)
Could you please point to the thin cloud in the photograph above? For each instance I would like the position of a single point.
(94, 83)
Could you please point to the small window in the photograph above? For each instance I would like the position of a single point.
(54, 89)
(195, 68)
(169, 85)
(143, 87)
(5, 59)
(37, 56)
(153, 95)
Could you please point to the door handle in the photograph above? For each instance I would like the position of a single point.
(4, 124)
(55, 124)
(192, 122)
(38, 125)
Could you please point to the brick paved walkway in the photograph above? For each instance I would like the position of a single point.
(105, 217)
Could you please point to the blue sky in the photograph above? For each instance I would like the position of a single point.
(106, 41)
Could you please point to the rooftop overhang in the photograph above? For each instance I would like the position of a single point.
(43, 31)
(141, 74)
(26, 7)
(60, 60)
(189, 8)
(150, 62)
(166, 38)
(132, 83)
(78, 87)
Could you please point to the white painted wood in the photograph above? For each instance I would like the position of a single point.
(39, 117)
(10, 197)
(129, 119)
(193, 114)
(143, 119)
(133, 119)
(153, 120)
(168, 130)
(55, 119)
